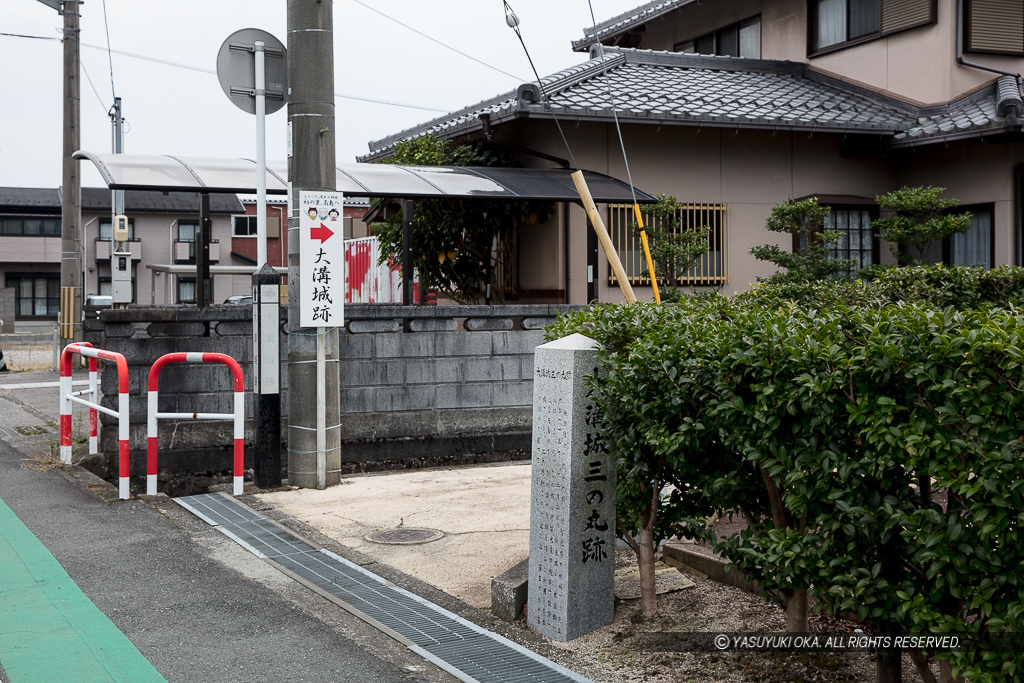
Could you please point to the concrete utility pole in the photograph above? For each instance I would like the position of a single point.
(71, 185)
(312, 461)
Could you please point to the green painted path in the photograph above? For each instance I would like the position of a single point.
(50, 632)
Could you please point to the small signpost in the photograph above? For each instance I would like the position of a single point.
(321, 291)
(322, 259)
(252, 69)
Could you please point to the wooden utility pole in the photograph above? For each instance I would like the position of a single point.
(313, 444)
(71, 185)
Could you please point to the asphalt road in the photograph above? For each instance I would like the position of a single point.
(195, 604)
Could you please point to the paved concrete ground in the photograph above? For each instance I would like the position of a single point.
(195, 604)
(484, 513)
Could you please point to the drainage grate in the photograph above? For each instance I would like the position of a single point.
(460, 647)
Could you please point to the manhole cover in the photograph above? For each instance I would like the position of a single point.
(404, 536)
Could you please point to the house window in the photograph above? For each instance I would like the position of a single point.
(852, 218)
(711, 269)
(29, 225)
(837, 23)
(857, 238)
(106, 229)
(35, 296)
(186, 290)
(974, 247)
(742, 39)
(995, 26)
(971, 248)
(243, 226)
(188, 231)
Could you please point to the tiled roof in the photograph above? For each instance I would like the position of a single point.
(31, 199)
(684, 89)
(975, 113)
(99, 199)
(639, 16)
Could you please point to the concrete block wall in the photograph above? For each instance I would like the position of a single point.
(432, 384)
(419, 385)
(142, 335)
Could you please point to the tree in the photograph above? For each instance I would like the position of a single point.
(918, 220)
(814, 260)
(674, 250)
(458, 244)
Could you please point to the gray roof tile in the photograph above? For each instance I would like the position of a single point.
(685, 89)
(626, 21)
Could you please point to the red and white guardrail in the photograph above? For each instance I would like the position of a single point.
(67, 397)
(153, 415)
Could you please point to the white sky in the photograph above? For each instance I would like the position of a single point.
(184, 112)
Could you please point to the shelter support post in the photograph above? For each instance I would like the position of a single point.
(408, 215)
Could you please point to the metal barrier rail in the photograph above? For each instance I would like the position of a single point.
(67, 397)
(153, 413)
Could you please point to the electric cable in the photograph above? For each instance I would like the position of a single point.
(615, 113)
(213, 72)
(435, 40)
(625, 159)
(91, 84)
(110, 57)
(513, 22)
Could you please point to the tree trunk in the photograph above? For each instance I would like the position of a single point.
(946, 673)
(889, 662)
(921, 662)
(648, 591)
(796, 612)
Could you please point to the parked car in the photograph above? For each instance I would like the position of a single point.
(95, 303)
(239, 300)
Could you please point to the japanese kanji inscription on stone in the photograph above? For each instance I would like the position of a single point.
(572, 497)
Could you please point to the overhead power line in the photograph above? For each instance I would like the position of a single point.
(110, 57)
(179, 65)
(435, 40)
(91, 84)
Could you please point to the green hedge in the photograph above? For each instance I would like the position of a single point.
(832, 400)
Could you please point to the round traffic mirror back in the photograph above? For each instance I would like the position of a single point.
(236, 69)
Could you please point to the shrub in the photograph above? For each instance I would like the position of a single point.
(814, 409)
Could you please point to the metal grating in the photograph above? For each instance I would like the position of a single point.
(460, 647)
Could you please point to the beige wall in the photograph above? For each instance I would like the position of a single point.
(750, 171)
(157, 236)
(918, 65)
(17, 249)
(974, 174)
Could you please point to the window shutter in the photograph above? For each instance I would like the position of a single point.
(901, 14)
(996, 26)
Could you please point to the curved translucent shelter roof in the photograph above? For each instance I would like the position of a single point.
(238, 176)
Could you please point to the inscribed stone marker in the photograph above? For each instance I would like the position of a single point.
(572, 497)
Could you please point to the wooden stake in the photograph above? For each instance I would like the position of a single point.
(602, 235)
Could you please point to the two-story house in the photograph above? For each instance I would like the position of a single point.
(162, 230)
(736, 105)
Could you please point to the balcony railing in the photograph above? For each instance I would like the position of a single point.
(185, 251)
(103, 248)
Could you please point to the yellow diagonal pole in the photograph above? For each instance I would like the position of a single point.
(647, 253)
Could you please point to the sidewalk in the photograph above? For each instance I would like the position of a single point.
(195, 605)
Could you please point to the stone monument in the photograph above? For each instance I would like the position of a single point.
(572, 497)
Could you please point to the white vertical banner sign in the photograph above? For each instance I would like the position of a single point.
(322, 259)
